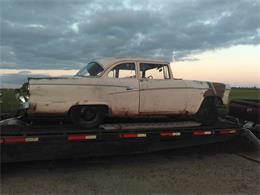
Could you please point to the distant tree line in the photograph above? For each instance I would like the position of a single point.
(245, 87)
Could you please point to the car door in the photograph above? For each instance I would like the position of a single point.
(123, 90)
(159, 93)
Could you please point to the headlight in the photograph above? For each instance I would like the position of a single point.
(22, 99)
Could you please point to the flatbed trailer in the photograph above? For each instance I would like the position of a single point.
(26, 142)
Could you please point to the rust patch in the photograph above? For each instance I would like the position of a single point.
(122, 113)
(33, 107)
(76, 103)
(180, 112)
(126, 113)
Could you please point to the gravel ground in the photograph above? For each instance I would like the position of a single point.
(200, 170)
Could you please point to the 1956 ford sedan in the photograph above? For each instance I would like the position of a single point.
(124, 87)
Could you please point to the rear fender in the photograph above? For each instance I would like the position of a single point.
(213, 101)
(218, 90)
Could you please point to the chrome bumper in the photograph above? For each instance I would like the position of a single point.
(23, 105)
(23, 102)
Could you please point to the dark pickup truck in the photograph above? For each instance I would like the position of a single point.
(245, 109)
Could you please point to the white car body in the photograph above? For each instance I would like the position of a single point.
(133, 96)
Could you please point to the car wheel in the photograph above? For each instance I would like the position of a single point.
(208, 113)
(87, 116)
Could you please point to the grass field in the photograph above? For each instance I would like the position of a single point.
(9, 103)
(244, 93)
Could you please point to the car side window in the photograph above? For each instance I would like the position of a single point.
(124, 70)
(154, 71)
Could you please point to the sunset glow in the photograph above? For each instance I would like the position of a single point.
(237, 66)
(39, 71)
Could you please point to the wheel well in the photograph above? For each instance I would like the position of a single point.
(105, 107)
(210, 99)
(217, 99)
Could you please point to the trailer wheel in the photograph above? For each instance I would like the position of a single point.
(208, 112)
(87, 116)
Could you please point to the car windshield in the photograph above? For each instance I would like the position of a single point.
(91, 69)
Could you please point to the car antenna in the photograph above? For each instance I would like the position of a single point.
(173, 56)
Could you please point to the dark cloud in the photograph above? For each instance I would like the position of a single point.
(67, 34)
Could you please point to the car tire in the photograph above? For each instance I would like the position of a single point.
(87, 117)
(208, 112)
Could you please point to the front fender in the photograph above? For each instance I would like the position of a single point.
(58, 107)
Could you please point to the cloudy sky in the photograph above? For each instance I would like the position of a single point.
(66, 34)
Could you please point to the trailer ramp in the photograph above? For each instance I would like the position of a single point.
(248, 145)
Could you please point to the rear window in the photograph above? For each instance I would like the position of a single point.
(154, 71)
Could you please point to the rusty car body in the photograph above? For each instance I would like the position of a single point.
(124, 87)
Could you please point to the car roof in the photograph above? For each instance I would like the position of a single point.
(107, 62)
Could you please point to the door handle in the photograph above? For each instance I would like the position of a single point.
(129, 88)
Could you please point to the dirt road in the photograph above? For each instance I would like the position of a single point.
(200, 170)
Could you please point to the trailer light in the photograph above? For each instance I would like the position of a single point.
(165, 134)
(1, 141)
(20, 139)
(227, 131)
(31, 139)
(81, 137)
(202, 133)
(132, 135)
(14, 140)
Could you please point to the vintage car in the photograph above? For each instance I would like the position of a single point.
(124, 87)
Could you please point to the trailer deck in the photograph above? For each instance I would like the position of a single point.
(29, 142)
(21, 141)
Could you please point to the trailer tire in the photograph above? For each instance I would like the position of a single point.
(87, 116)
(208, 112)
